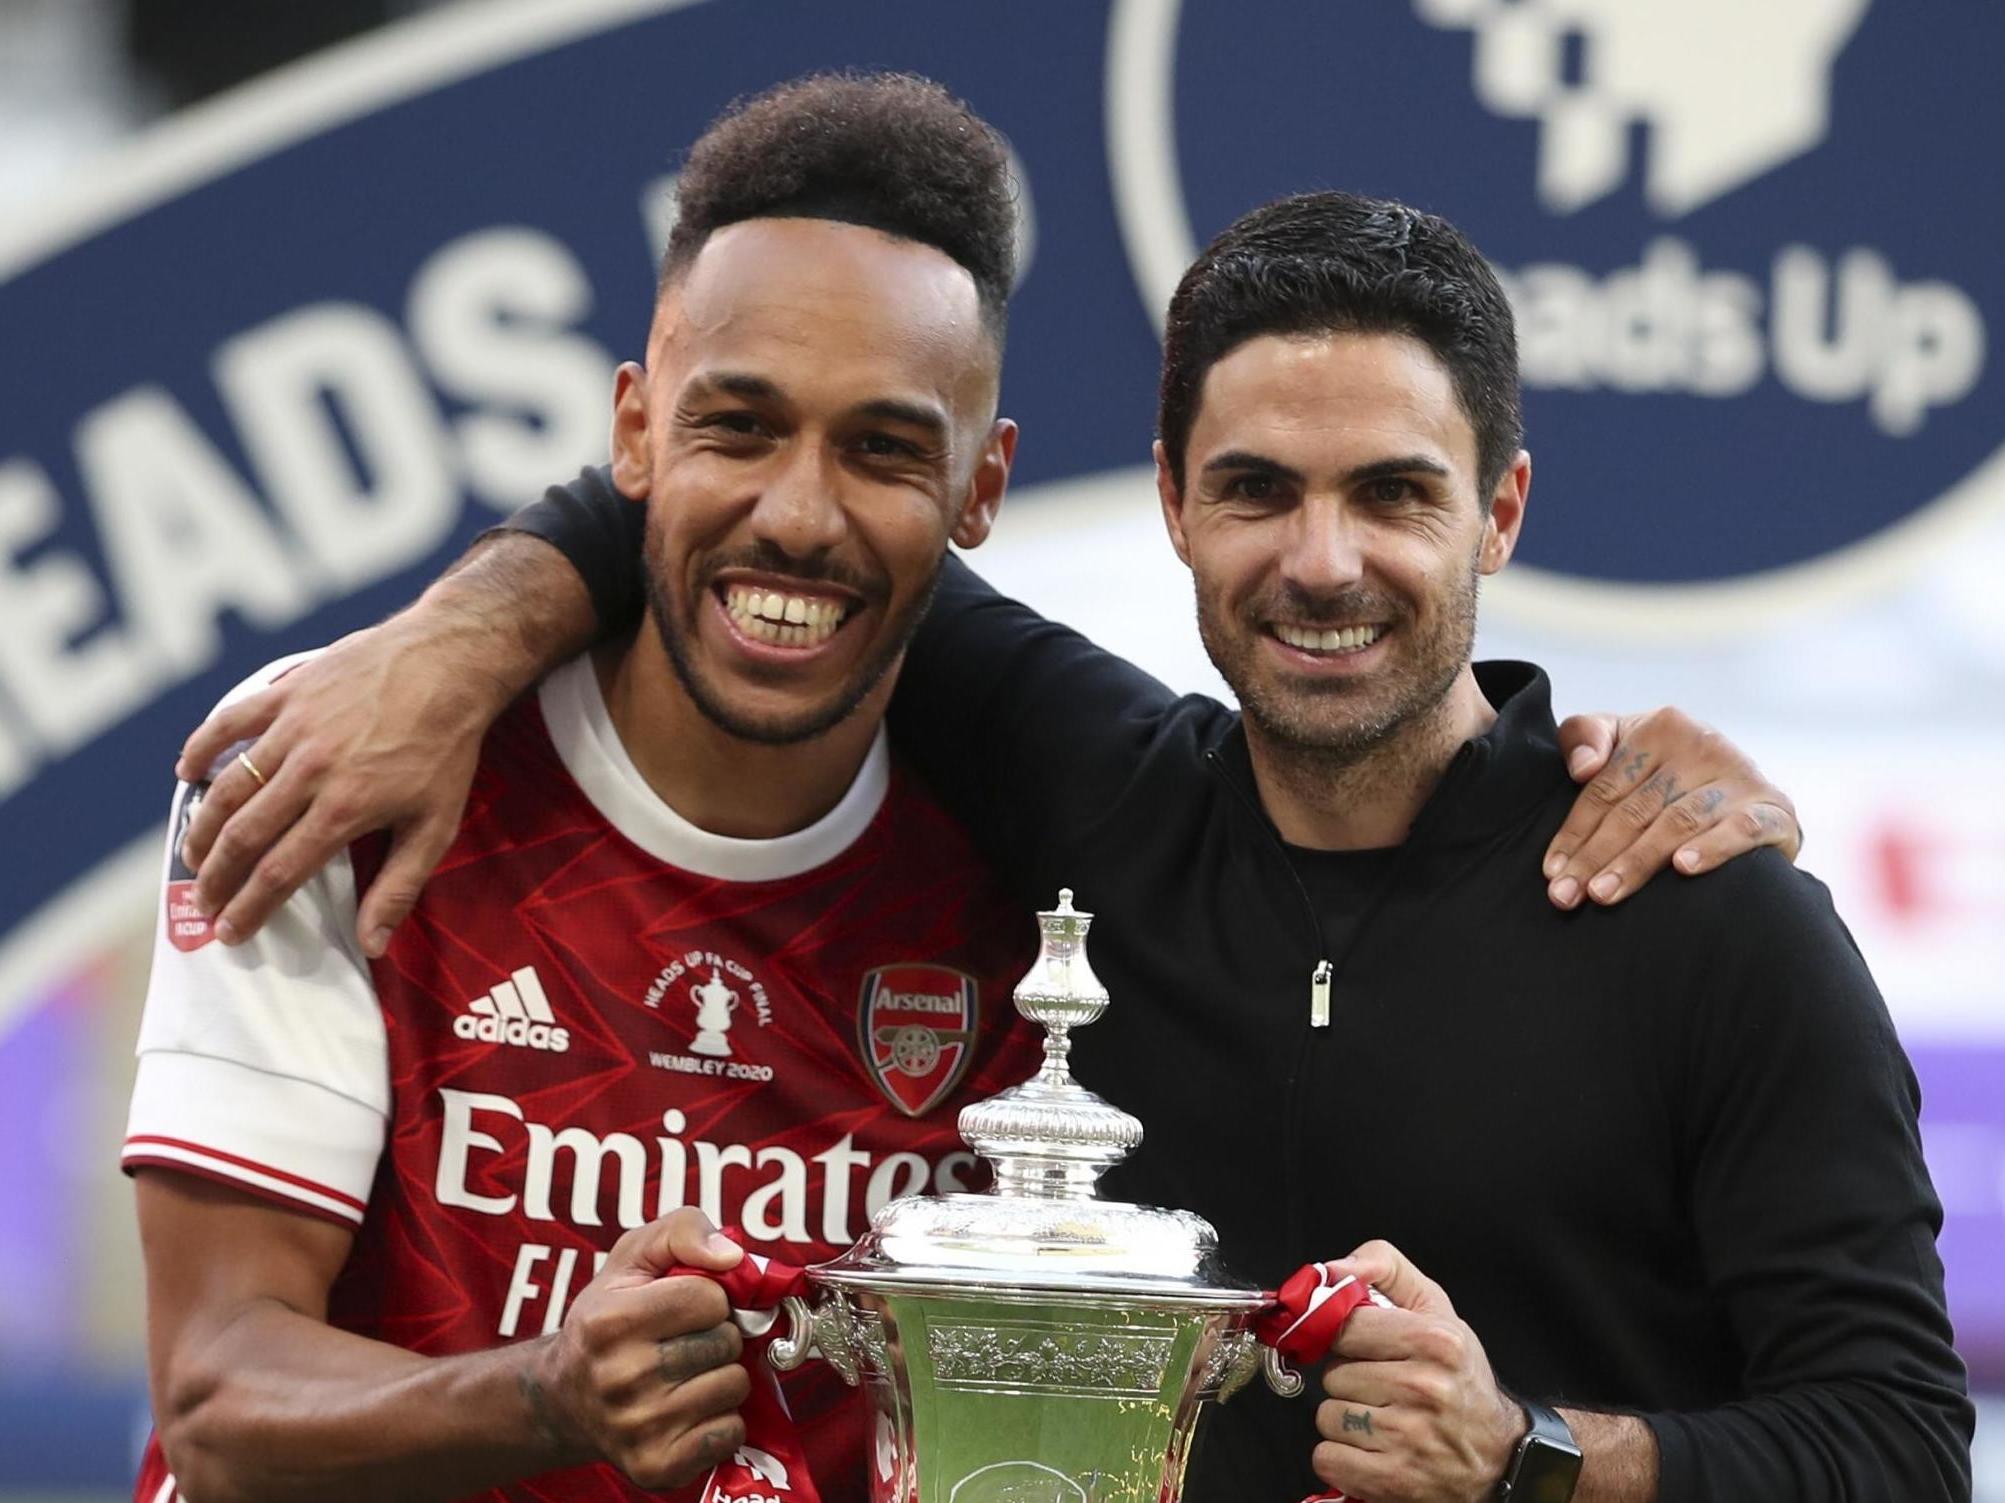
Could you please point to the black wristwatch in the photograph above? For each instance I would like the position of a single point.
(1546, 1464)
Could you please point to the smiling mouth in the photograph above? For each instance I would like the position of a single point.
(1328, 639)
(780, 618)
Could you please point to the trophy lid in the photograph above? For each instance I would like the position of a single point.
(1043, 1228)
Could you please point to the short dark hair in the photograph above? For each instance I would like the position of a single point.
(1330, 262)
(889, 151)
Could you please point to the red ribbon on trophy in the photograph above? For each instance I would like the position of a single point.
(771, 1459)
(1300, 1321)
(1303, 1322)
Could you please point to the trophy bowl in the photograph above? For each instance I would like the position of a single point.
(1035, 1343)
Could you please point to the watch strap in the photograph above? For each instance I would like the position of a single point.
(1546, 1464)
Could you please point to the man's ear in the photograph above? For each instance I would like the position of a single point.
(633, 456)
(1172, 503)
(986, 487)
(1507, 515)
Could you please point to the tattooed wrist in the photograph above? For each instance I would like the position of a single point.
(543, 1410)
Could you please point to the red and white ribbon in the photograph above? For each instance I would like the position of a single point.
(771, 1461)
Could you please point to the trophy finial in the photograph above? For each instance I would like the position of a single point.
(1050, 1137)
(1060, 990)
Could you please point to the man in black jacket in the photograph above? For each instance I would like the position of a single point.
(1660, 1165)
(1664, 1162)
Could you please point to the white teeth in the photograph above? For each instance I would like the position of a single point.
(1332, 639)
(783, 620)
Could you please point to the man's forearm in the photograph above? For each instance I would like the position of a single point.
(279, 1405)
(517, 605)
(1618, 1457)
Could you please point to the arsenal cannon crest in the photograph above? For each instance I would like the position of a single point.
(916, 1027)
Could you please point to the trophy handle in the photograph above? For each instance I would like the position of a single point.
(827, 1331)
(1236, 1364)
(1282, 1378)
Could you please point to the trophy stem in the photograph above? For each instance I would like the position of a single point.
(1057, 1068)
(1047, 1179)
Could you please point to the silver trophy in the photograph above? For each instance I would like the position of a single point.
(1035, 1344)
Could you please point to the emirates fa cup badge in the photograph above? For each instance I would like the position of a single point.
(715, 1002)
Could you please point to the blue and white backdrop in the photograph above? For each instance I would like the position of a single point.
(268, 369)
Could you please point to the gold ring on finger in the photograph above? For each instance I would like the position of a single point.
(244, 761)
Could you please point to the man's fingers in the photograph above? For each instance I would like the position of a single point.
(1375, 1334)
(1737, 833)
(1352, 1424)
(1639, 840)
(1626, 827)
(280, 871)
(1371, 1384)
(1354, 1472)
(683, 1238)
(680, 1456)
(680, 1358)
(1394, 1275)
(242, 720)
(229, 790)
(415, 850)
(1626, 769)
(1585, 741)
(1720, 819)
(251, 825)
(623, 1324)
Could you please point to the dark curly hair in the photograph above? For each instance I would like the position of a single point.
(1321, 263)
(890, 151)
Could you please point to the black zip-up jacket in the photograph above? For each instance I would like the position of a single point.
(1664, 1157)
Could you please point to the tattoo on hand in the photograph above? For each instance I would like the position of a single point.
(1711, 799)
(1665, 786)
(1357, 1419)
(1632, 769)
(680, 1358)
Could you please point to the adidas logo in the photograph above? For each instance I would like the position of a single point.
(515, 1012)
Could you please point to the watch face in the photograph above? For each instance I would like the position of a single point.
(1546, 1473)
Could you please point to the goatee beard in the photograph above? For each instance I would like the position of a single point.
(1299, 721)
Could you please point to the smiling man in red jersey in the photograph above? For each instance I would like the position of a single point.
(699, 951)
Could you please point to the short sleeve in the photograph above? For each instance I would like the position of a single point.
(265, 1065)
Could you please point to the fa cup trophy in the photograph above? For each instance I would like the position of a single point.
(1035, 1343)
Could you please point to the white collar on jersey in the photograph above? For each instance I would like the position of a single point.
(591, 750)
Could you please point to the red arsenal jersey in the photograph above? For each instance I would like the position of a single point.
(598, 1013)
